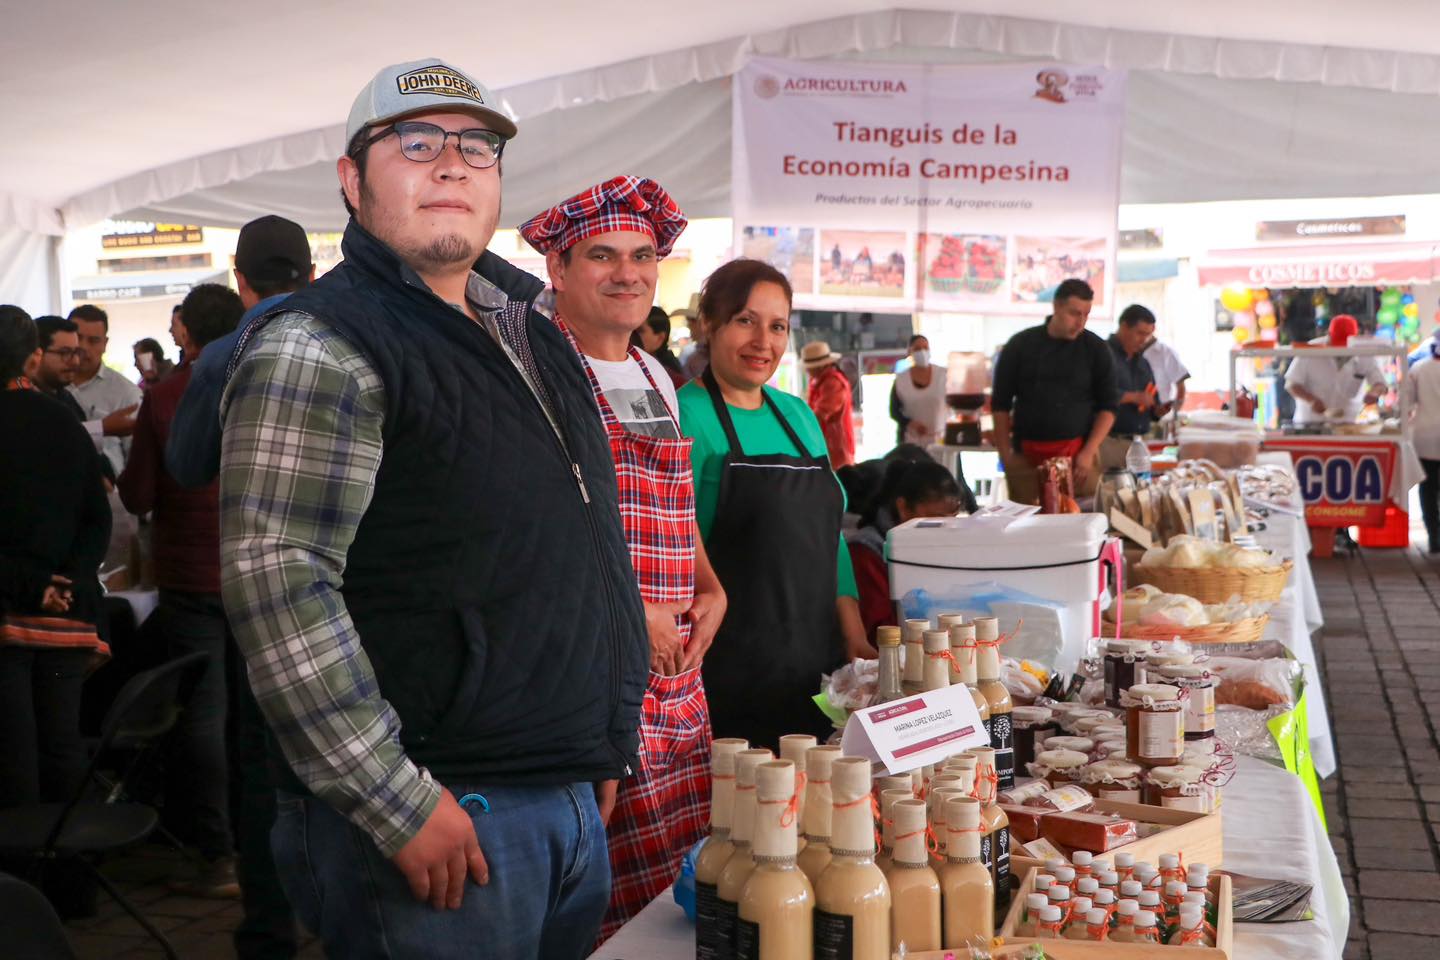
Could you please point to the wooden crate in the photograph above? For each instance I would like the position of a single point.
(1082, 950)
(1196, 836)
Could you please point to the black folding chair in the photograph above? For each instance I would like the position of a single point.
(32, 930)
(145, 709)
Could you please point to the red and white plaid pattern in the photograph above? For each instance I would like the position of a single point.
(633, 204)
(662, 810)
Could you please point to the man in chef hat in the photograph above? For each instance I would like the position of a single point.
(602, 249)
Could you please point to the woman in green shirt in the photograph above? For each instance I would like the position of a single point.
(769, 510)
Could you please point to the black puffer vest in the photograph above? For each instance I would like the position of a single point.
(497, 605)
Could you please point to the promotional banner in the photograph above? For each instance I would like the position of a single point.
(1343, 484)
(897, 187)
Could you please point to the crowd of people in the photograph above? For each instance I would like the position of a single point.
(457, 544)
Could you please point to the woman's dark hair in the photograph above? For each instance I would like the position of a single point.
(18, 340)
(151, 345)
(914, 480)
(659, 322)
(727, 290)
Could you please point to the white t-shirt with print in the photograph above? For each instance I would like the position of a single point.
(638, 406)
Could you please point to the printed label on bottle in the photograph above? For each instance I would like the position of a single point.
(1194, 803)
(987, 852)
(1002, 738)
(726, 916)
(1002, 871)
(834, 936)
(1067, 798)
(1200, 712)
(1162, 734)
(747, 940)
(707, 901)
(1122, 794)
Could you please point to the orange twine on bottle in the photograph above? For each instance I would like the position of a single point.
(1052, 927)
(1099, 932)
(1188, 937)
(991, 778)
(1002, 638)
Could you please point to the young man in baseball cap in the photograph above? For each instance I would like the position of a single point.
(602, 249)
(446, 707)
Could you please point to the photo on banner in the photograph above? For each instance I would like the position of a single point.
(892, 187)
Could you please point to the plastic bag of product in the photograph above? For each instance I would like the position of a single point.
(1025, 679)
(1248, 731)
(853, 685)
(1255, 684)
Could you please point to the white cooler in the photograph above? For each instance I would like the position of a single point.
(1056, 557)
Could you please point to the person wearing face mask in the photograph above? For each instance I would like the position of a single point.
(769, 511)
(917, 400)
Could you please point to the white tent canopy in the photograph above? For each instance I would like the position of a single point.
(215, 114)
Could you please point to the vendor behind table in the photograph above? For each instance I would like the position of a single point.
(1136, 384)
(1332, 388)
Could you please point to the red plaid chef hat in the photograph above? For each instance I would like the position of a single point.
(624, 203)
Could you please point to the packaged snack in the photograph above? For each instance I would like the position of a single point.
(1063, 799)
(1095, 832)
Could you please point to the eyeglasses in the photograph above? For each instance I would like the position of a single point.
(69, 353)
(424, 142)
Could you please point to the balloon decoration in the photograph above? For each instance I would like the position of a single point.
(1387, 315)
(1264, 308)
(1237, 299)
(1266, 320)
(1241, 334)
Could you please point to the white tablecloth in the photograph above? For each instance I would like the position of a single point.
(1271, 830)
(142, 601)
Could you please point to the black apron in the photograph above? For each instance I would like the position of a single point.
(772, 544)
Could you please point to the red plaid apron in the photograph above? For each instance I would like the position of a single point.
(662, 810)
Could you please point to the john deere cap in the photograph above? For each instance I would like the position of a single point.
(420, 86)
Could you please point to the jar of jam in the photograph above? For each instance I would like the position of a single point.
(1182, 788)
(1059, 767)
(1070, 723)
(1155, 724)
(1200, 707)
(1086, 726)
(1155, 659)
(1112, 749)
(1079, 744)
(1121, 658)
(1031, 725)
(1114, 780)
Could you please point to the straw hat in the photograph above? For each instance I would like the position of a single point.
(817, 354)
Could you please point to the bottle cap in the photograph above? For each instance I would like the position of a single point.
(1043, 882)
(1096, 917)
(1125, 860)
(1104, 897)
(1053, 864)
(1131, 888)
(1110, 878)
(1081, 905)
(722, 755)
(1035, 901)
(1059, 892)
(887, 636)
(1082, 858)
(1101, 866)
(1202, 867)
(1169, 861)
(1050, 914)
(1065, 875)
(1128, 908)
(1174, 888)
(1087, 885)
(1149, 898)
(1194, 898)
(1144, 919)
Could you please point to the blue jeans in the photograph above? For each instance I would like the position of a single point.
(549, 881)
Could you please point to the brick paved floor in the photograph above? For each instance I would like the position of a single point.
(1380, 659)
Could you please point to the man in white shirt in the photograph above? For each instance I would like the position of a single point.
(1170, 376)
(108, 398)
(1333, 386)
(1422, 395)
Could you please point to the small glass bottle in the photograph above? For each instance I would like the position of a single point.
(1109, 880)
(1030, 916)
(888, 799)
(1082, 860)
(1197, 880)
(1191, 929)
(987, 671)
(1049, 927)
(888, 688)
(1147, 930)
(1125, 912)
(1064, 875)
(1075, 927)
(1148, 876)
(1097, 925)
(1105, 900)
(731, 885)
(913, 673)
(1170, 867)
(1174, 896)
(1131, 889)
(1060, 898)
(1125, 865)
(777, 907)
(1087, 886)
(1149, 900)
(1079, 908)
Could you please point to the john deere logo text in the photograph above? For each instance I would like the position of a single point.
(439, 80)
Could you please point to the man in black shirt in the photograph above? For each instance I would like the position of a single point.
(1135, 381)
(1054, 396)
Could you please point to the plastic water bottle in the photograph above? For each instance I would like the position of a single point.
(1137, 459)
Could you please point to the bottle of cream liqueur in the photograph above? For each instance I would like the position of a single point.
(1002, 735)
(966, 890)
(914, 887)
(737, 869)
(777, 908)
(966, 654)
(717, 848)
(995, 832)
(816, 855)
(794, 747)
(852, 900)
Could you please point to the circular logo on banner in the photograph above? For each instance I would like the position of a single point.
(767, 87)
(1052, 85)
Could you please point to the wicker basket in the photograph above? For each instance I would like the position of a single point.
(1216, 584)
(1248, 630)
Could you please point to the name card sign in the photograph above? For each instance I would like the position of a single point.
(916, 731)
